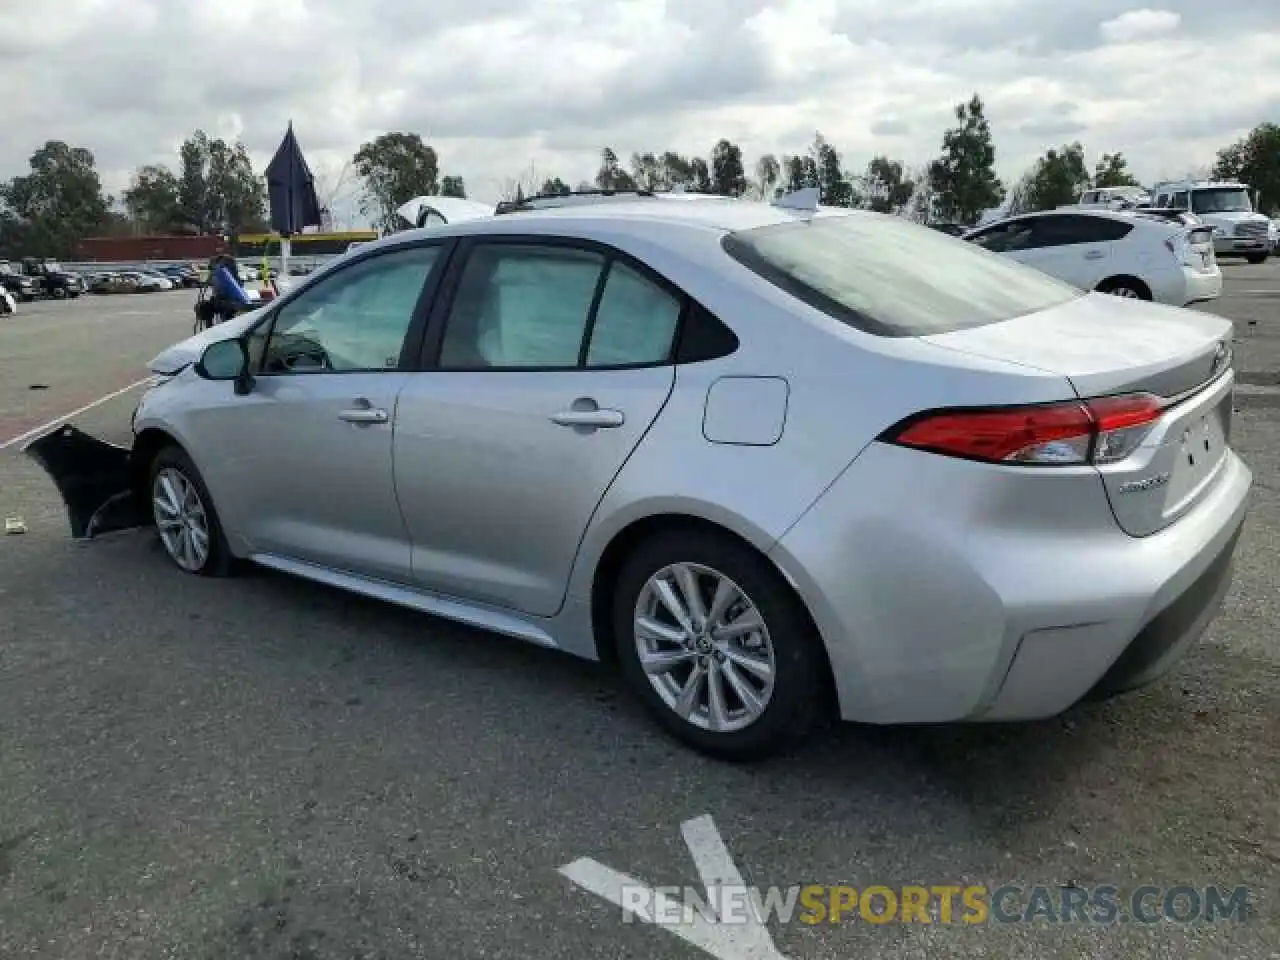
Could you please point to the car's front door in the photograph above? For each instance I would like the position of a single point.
(550, 362)
(308, 469)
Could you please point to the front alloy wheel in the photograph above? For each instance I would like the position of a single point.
(704, 647)
(185, 516)
(181, 519)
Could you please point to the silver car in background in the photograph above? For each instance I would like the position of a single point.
(771, 460)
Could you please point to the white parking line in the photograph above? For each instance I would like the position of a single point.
(36, 431)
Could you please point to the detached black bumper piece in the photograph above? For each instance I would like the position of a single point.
(94, 478)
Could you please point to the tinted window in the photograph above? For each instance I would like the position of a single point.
(635, 322)
(1180, 201)
(355, 319)
(521, 306)
(1007, 237)
(891, 277)
(1064, 231)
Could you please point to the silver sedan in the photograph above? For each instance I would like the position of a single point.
(774, 460)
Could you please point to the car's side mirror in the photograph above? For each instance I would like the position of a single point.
(227, 360)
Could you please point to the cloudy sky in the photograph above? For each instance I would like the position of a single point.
(499, 85)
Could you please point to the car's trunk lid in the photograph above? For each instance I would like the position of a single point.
(1108, 345)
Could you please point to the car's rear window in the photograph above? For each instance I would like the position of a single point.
(891, 277)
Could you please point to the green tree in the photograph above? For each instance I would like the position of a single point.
(611, 176)
(699, 176)
(218, 190)
(768, 174)
(834, 188)
(395, 168)
(1113, 171)
(964, 178)
(888, 187)
(555, 187)
(646, 171)
(453, 187)
(1058, 178)
(800, 172)
(728, 178)
(1254, 160)
(676, 171)
(60, 202)
(153, 201)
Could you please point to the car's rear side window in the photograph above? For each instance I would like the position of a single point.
(892, 278)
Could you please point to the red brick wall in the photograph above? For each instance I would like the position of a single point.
(148, 248)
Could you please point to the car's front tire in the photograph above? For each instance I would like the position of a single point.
(1256, 258)
(717, 646)
(185, 518)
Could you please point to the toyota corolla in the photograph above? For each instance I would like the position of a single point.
(773, 459)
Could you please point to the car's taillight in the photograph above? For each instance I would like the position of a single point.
(1103, 430)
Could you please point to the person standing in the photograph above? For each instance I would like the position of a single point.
(229, 297)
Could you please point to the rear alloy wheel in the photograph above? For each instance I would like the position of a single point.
(189, 529)
(717, 646)
(1125, 289)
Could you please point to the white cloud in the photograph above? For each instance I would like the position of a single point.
(1134, 25)
(497, 85)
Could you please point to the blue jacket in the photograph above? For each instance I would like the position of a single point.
(225, 285)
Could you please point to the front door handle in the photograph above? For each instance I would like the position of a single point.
(364, 413)
(1094, 255)
(589, 418)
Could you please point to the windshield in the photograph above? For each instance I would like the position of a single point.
(1221, 200)
(893, 278)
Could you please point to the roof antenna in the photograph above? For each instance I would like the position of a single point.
(805, 200)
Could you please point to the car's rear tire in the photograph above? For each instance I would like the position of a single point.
(1256, 258)
(1129, 288)
(746, 679)
(186, 520)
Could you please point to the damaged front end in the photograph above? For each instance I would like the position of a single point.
(98, 481)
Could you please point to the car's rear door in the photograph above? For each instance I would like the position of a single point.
(551, 360)
(303, 462)
(1076, 248)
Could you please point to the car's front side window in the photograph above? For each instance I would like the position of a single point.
(356, 319)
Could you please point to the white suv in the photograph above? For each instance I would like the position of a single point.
(1130, 254)
(1238, 230)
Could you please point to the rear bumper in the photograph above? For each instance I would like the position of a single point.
(947, 590)
(1200, 286)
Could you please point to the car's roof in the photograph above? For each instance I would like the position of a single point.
(694, 213)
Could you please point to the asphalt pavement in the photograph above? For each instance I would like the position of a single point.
(265, 768)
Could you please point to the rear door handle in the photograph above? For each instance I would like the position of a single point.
(1094, 255)
(589, 418)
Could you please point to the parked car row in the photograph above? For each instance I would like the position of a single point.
(32, 277)
(131, 281)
